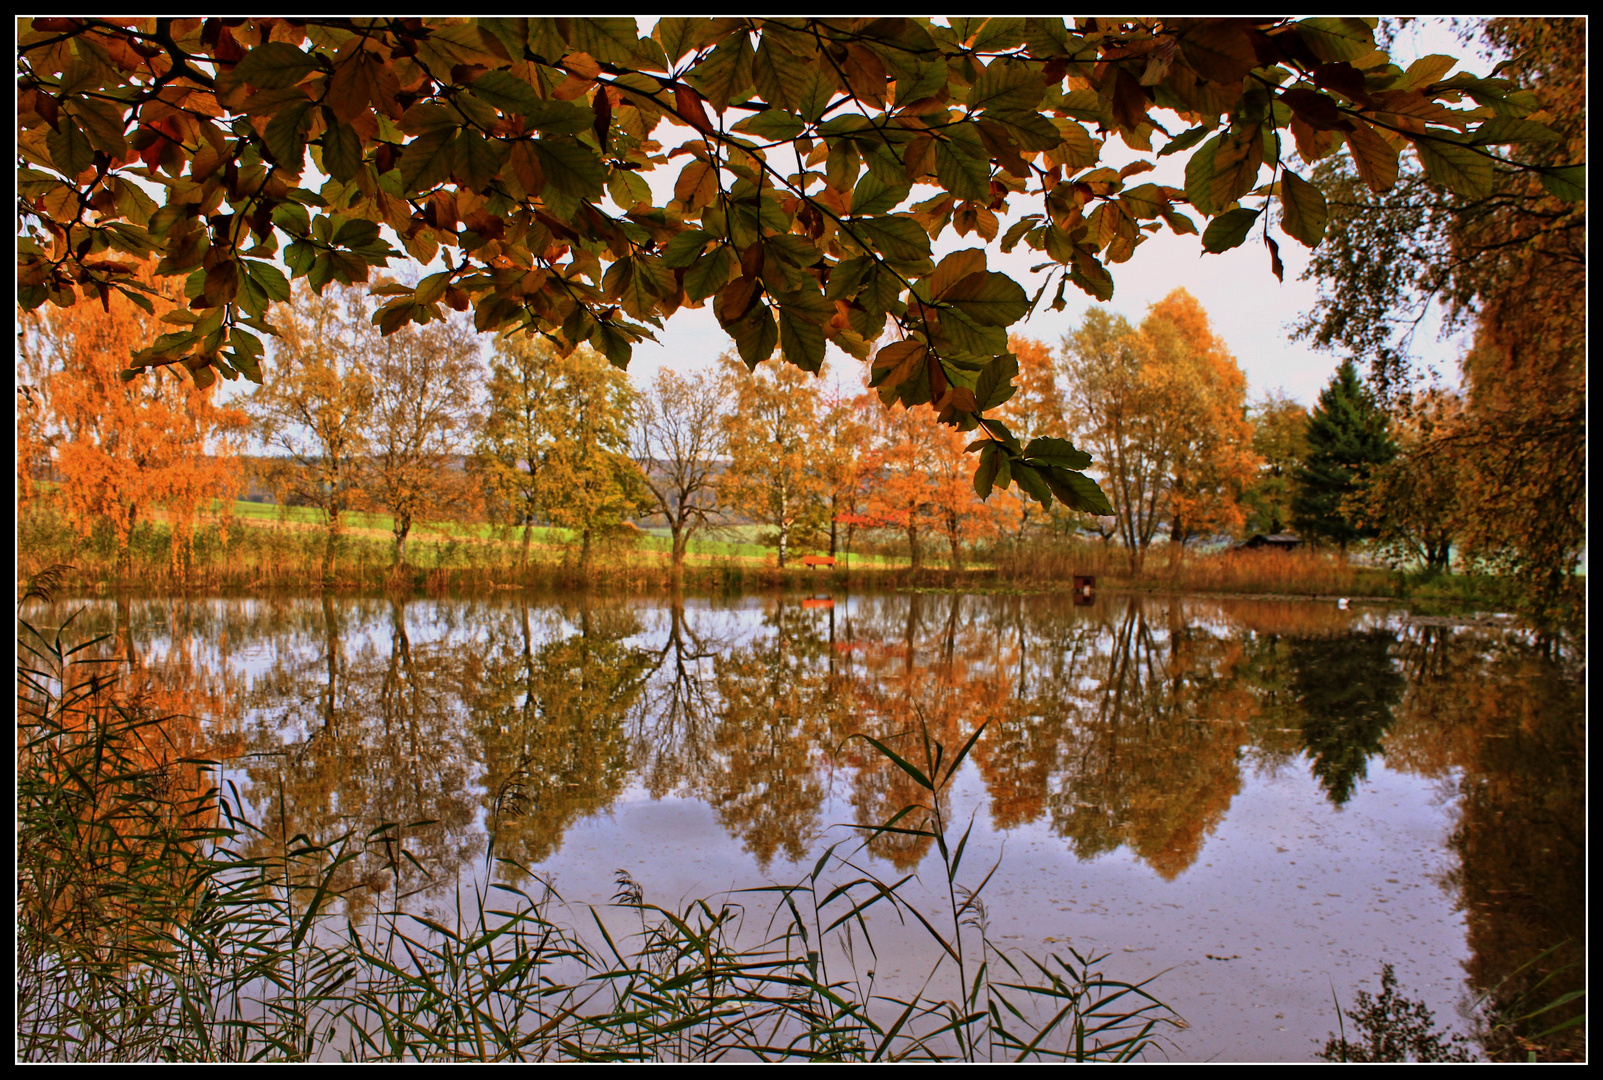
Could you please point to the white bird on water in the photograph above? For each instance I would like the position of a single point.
(1341, 602)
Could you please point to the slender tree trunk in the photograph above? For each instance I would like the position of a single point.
(331, 541)
(523, 559)
(784, 524)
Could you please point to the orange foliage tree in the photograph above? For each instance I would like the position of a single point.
(926, 484)
(124, 449)
(1212, 460)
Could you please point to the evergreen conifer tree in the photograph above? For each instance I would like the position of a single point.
(1347, 440)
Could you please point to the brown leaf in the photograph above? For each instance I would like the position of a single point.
(1373, 156)
(736, 298)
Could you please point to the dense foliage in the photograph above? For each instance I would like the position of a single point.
(516, 147)
(1509, 261)
(1347, 442)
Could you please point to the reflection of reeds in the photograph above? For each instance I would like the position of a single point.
(144, 934)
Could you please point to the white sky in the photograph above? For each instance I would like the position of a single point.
(1250, 310)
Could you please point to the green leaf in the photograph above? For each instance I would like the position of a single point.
(507, 92)
(269, 278)
(610, 40)
(1078, 491)
(612, 343)
(342, 152)
(873, 195)
(755, 335)
(801, 337)
(1302, 209)
(355, 233)
(999, 34)
(274, 65)
(898, 238)
(1184, 141)
(1057, 452)
(985, 475)
(285, 134)
(1235, 165)
(1199, 176)
(962, 164)
(995, 382)
(69, 148)
(426, 160)
(710, 272)
(477, 161)
(685, 248)
(572, 169)
(1502, 130)
(1228, 230)
(1567, 183)
(726, 74)
(1033, 483)
(1006, 85)
(1336, 38)
(1456, 167)
(989, 298)
(774, 125)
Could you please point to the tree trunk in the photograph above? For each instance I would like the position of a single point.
(331, 541)
(680, 542)
(523, 559)
(912, 546)
(784, 524)
(403, 526)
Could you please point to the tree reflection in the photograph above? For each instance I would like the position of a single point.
(1504, 723)
(1126, 724)
(1154, 761)
(352, 736)
(673, 732)
(550, 717)
(1346, 686)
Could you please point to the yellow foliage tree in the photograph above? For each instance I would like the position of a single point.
(769, 434)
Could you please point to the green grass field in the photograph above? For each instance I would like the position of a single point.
(738, 541)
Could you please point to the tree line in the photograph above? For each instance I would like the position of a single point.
(416, 426)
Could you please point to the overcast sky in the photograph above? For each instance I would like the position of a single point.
(1250, 310)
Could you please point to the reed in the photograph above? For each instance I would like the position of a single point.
(146, 933)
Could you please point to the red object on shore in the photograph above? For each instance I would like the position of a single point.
(811, 561)
(1084, 586)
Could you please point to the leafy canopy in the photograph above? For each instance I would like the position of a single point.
(817, 160)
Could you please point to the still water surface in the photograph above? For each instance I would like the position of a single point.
(1258, 802)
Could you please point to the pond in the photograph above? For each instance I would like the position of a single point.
(1254, 803)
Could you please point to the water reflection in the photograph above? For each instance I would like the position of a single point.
(1128, 725)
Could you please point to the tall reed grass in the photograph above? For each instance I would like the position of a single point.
(1303, 572)
(146, 933)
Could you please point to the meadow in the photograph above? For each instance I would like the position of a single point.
(263, 546)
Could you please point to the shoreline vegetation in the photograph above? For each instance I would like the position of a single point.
(272, 549)
(157, 923)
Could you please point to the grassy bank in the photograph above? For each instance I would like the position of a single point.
(268, 548)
